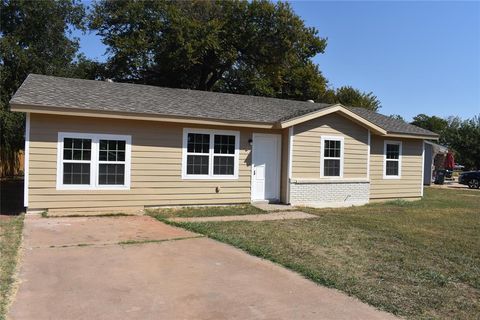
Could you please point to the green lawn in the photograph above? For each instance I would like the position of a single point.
(420, 260)
(208, 211)
(10, 237)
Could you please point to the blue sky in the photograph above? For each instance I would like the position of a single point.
(416, 57)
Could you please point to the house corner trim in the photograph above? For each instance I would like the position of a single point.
(26, 160)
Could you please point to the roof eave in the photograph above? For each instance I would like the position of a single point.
(42, 109)
(412, 136)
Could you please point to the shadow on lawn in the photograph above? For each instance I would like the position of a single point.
(11, 196)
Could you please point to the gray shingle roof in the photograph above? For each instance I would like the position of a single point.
(134, 98)
(390, 124)
(79, 94)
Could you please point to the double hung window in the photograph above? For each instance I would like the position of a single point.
(93, 161)
(332, 156)
(210, 154)
(392, 159)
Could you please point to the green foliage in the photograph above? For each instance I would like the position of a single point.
(397, 117)
(35, 38)
(349, 96)
(258, 48)
(461, 136)
(432, 123)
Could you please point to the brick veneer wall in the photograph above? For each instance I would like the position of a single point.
(329, 193)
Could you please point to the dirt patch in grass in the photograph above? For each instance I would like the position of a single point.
(10, 238)
(417, 259)
(188, 212)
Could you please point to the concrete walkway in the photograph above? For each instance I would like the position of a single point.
(75, 268)
(273, 206)
(282, 215)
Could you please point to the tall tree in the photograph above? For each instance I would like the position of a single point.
(432, 123)
(349, 96)
(397, 117)
(461, 136)
(34, 39)
(257, 47)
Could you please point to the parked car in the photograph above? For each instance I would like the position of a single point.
(471, 179)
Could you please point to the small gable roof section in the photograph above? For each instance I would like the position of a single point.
(47, 94)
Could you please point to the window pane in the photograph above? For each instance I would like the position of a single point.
(223, 165)
(67, 143)
(76, 149)
(121, 156)
(198, 143)
(197, 164)
(111, 174)
(393, 151)
(224, 144)
(332, 148)
(77, 143)
(392, 168)
(77, 154)
(112, 150)
(67, 154)
(331, 168)
(76, 173)
(112, 156)
(112, 145)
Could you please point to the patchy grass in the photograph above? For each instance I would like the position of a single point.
(45, 214)
(10, 238)
(420, 260)
(187, 212)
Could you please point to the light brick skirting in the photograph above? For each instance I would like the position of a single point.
(329, 193)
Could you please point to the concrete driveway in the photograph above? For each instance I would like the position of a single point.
(139, 268)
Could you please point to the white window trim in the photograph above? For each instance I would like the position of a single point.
(399, 143)
(322, 157)
(94, 161)
(210, 175)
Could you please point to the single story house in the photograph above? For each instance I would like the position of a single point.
(94, 145)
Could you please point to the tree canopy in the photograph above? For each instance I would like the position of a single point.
(352, 97)
(35, 39)
(257, 48)
(432, 123)
(460, 136)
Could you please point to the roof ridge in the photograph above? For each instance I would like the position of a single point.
(72, 94)
(177, 89)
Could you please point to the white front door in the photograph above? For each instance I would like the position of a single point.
(266, 167)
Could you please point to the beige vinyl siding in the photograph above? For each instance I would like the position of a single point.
(307, 140)
(409, 184)
(156, 161)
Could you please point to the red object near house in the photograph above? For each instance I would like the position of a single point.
(449, 161)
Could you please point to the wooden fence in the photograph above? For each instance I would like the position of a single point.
(12, 165)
